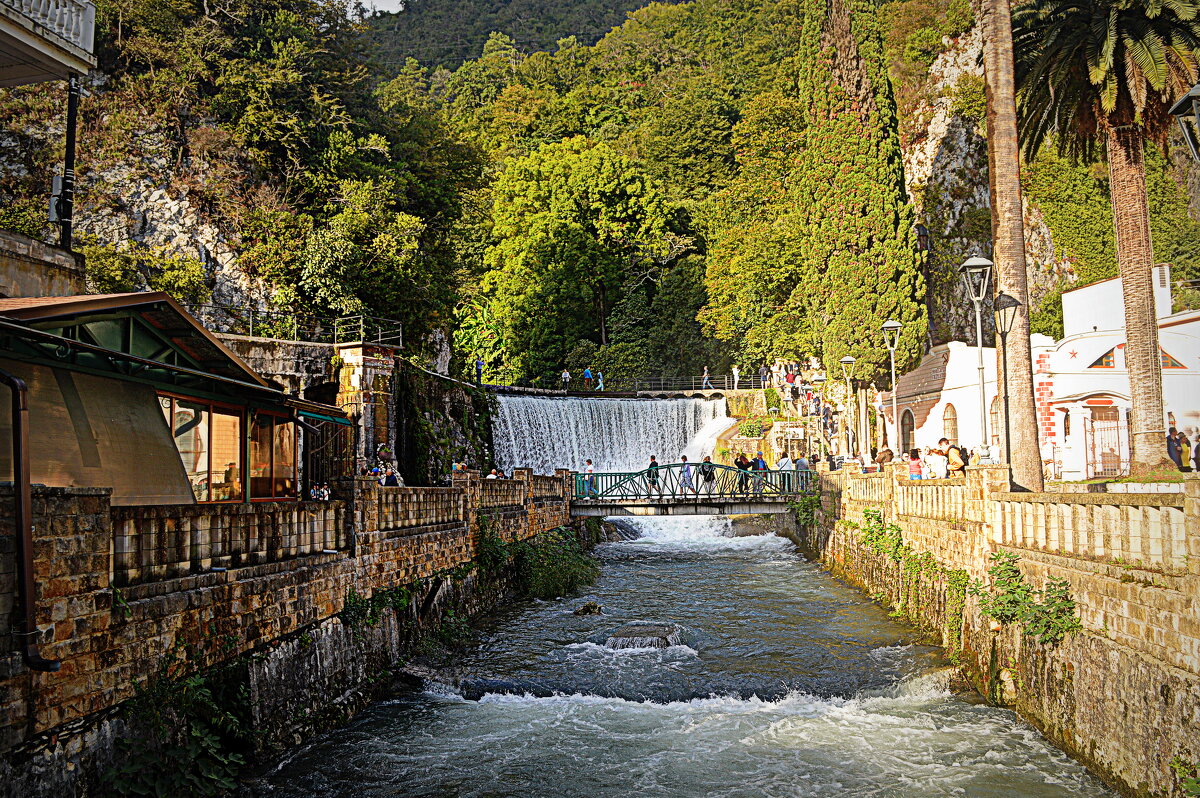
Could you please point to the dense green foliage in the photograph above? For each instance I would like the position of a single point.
(448, 32)
(341, 198)
(553, 564)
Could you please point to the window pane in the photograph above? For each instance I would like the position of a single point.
(285, 458)
(227, 455)
(260, 458)
(190, 428)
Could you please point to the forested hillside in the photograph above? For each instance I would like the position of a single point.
(712, 182)
(447, 32)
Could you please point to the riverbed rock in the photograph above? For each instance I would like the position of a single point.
(590, 608)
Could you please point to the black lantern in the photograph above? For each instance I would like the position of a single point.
(1186, 113)
(922, 238)
(1006, 313)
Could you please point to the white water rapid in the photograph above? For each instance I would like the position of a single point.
(616, 434)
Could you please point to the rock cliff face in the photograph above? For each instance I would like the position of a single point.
(946, 169)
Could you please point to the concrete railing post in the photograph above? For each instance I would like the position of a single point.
(524, 476)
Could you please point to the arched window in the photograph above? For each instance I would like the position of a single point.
(950, 424)
(907, 425)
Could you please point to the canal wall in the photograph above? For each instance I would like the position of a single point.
(1122, 693)
(297, 609)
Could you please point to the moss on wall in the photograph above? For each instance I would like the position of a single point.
(439, 420)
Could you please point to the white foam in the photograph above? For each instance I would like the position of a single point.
(698, 533)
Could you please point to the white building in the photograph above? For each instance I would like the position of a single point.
(1081, 385)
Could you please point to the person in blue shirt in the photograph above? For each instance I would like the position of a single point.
(599, 380)
(587, 379)
(478, 371)
(759, 467)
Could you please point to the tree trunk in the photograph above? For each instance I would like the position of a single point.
(1135, 259)
(1008, 235)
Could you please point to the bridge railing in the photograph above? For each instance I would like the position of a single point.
(674, 482)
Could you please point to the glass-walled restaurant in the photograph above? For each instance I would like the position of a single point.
(130, 392)
(222, 463)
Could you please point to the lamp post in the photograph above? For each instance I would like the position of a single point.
(1006, 318)
(847, 370)
(891, 334)
(975, 272)
(1187, 113)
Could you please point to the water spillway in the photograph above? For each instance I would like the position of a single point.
(546, 433)
(777, 680)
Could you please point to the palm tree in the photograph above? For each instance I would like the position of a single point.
(1008, 235)
(1108, 70)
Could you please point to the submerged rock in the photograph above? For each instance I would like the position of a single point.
(590, 608)
(645, 635)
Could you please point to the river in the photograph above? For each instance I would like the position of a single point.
(784, 682)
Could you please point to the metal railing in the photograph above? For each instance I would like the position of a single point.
(670, 482)
(285, 326)
(73, 21)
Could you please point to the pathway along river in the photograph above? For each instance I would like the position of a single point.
(785, 683)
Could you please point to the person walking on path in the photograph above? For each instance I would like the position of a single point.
(589, 479)
(685, 477)
(652, 485)
(759, 468)
(708, 475)
(566, 380)
(587, 378)
(784, 466)
(737, 373)
(743, 466)
(763, 373)
(599, 380)
(707, 383)
(478, 370)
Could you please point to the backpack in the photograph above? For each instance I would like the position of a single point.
(960, 454)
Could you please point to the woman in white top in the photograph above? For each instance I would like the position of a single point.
(784, 466)
(938, 463)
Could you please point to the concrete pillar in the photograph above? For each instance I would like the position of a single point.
(1191, 528)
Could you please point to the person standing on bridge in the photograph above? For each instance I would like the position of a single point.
(708, 475)
(759, 468)
(707, 383)
(763, 373)
(587, 378)
(652, 485)
(743, 466)
(566, 380)
(599, 380)
(685, 477)
(589, 479)
(784, 466)
(478, 370)
(737, 373)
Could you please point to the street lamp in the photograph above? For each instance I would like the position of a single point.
(1006, 319)
(1187, 114)
(847, 370)
(891, 334)
(975, 271)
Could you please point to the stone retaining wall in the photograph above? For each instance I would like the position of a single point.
(1123, 695)
(112, 618)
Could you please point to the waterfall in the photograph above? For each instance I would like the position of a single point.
(617, 434)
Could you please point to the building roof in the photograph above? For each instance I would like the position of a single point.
(156, 308)
(145, 336)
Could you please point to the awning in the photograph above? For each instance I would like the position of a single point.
(320, 417)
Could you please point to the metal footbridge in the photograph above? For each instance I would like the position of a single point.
(694, 489)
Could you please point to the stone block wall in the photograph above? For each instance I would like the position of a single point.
(1123, 694)
(121, 588)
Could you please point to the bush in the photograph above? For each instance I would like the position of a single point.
(751, 428)
(553, 564)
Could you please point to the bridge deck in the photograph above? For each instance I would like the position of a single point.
(702, 506)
